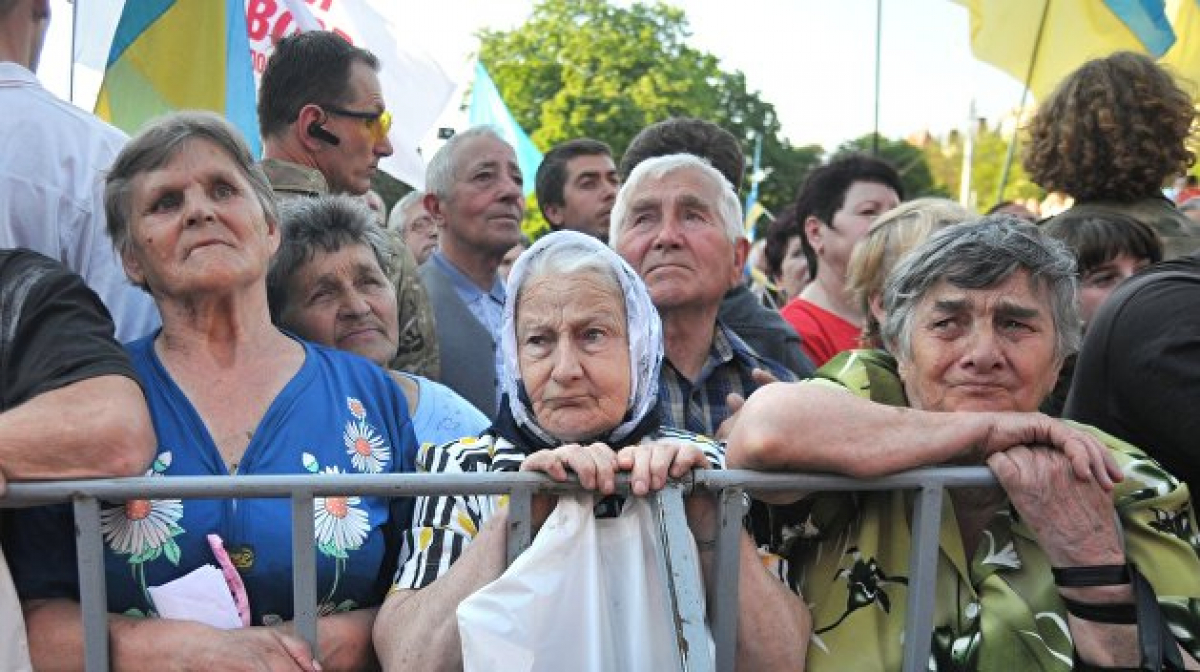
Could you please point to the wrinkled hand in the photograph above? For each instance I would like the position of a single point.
(650, 464)
(1072, 518)
(254, 649)
(1087, 456)
(595, 465)
(734, 402)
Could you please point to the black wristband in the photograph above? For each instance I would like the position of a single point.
(1090, 576)
(1084, 666)
(1114, 614)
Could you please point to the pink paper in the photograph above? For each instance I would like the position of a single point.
(234, 580)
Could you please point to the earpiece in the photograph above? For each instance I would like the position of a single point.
(317, 131)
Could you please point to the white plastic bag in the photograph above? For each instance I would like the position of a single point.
(587, 595)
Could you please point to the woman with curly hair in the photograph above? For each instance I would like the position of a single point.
(1111, 135)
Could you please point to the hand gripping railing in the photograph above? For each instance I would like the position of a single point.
(676, 553)
(930, 486)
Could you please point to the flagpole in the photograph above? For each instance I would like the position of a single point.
(968, 162)
(1012, 143)
(74, 31)
(878, 43)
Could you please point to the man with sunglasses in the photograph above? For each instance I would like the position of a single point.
(324, 128)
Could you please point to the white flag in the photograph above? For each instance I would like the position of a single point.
(415, 87)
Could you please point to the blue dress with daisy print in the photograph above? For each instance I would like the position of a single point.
(339, 414)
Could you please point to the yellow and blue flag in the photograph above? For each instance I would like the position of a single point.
(178, 55)
(1184, 56)
(1058, 36)
(488, 108)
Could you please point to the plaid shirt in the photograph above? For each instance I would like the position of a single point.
(699, 406)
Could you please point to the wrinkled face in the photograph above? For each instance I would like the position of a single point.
(793, 271)
(864, 202)
(1095, 284)
(343, 299)
(485, 207)
(588, 196)
(573, 349)
(981, 349)
(674, 238)
(196, 226)
(420, 232)
(349, 165)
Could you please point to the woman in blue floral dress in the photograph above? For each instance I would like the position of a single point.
(230, 394)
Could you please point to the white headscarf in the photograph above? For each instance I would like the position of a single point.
(643, 326)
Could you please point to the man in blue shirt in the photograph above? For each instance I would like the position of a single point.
(474, 192)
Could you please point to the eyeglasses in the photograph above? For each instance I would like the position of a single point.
(378, 123)
(422, 225)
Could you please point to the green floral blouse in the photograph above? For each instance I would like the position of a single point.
(997, 608)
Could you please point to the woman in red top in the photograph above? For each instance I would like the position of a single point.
(836, 205)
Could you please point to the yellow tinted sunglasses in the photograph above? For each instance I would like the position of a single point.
(378, 123)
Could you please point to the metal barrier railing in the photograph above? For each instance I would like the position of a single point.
(676, 555)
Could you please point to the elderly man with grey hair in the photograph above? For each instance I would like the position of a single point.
(1035, 574)
(473, 187)
(414, 225)
(678, 223)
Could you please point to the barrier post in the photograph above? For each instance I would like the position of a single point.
(93, 595)
(922, 576)
(520, 522)
(679, 564)
(304, 570)
(723, 582)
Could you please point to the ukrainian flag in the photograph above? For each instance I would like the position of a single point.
(1057, 36)
(180, 55)
(1184, 56)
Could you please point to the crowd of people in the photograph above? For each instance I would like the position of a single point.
(171, 305)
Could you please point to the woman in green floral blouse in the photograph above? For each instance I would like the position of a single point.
(979, 319)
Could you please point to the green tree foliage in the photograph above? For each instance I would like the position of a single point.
(945, 158)
(587, 68)
(907, 159)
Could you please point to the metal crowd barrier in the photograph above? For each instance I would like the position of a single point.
(677, 553)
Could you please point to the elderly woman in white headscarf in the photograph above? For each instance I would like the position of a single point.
(583, 346)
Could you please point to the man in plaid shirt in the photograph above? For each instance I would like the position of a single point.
(678, 223)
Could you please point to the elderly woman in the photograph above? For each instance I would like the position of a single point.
(1033, 575)
(582, 345)
(889, 238)
(328, 283)
(229, 394)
